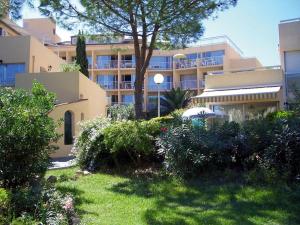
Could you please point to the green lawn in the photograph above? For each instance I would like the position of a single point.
(119, 200)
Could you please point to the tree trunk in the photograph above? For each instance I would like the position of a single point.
(138, 94)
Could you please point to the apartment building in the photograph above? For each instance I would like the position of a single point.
(24, 58)
(289, 48)
(112, 65)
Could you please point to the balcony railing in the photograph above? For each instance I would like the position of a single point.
(211, 61)
(109, 85)
(162, 87)
(109, 64)
(7, 83)
(128, 85)
(160, 66)
(188, 84)
(127, 64)
(186, 63)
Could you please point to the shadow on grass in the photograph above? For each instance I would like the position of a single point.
(79, 198)
(213, 203)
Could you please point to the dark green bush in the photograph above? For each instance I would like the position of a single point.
(102, 142)
(26, 134)
(89, 148)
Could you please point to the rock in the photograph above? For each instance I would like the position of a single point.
(52, 179)
(85, 173)
(79, 172)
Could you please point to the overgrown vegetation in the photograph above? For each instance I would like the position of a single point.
(27, 135)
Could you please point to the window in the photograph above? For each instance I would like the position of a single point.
(54, 32)
(292, 62)
(107, 61)
(108, 81)
(167, 84)
(127, 99)
(90, 61)
(8, 73)
(160, 62)
(114, 99)
(68, 122)
(82, 116)
(1, 31)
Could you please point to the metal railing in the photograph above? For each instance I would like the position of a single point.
(128, 85)
(290, 20)
(127, 64)
(186, 63)
(211, 61)
(218, 40)
(162, 87)
(188, 84)
(7, 83)
(109, 64)
(109, 85)
(160, 66)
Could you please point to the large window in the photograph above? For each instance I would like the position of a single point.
(127, 99)
(166, 85)
(68, 122)
(247, 111)
(160, 62)
(107, 61)
(292, 71)
(108, 81)
(8, 73)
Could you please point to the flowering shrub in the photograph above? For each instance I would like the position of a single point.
(121, 112)
(89, 148)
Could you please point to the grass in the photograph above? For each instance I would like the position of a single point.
(112, 199)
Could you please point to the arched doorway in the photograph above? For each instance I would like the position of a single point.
(68, 125)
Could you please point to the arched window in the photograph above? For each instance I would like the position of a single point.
(68, 134)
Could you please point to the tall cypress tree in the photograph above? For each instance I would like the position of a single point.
(81, 58)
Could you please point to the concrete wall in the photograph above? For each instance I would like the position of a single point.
(42, 28)
(244, 79)
(244, 63)
(28, 50)
(64, 85)
(15, 50)
(9, 30)
(96, 96)
(77, 109)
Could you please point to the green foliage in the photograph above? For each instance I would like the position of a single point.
(121, 112)
(271, 145)
(24, 220)
(70, 67)
(102, 142)
(81, 58)
(26, 134)
(176, 99)
(134, 137)
(89, 148)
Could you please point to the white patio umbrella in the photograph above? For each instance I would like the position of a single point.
(198, 112)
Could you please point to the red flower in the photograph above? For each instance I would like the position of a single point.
(163, 129)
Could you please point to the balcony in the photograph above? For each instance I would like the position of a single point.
(160, 66)
(188, 84)
(111, 85)
(128, 64)
(186, 63)
(6, 83)
(162, 87)
(109, 64)
(211, 61)
(127, 85)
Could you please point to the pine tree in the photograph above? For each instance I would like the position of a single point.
(81, 58)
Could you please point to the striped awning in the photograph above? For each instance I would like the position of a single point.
(232, 95)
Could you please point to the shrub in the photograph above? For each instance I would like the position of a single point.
(5, 201)
(26, 132)
(121, 112)
(89, 148)
(71, 67)
(283, 154)
(136, 138)
(185, 150)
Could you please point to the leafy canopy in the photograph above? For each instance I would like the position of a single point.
(26, 134)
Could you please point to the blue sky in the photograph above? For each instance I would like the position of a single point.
(252, 25)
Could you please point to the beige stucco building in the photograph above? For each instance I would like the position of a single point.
(215, 70)
(24, 58)
(289, 48)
